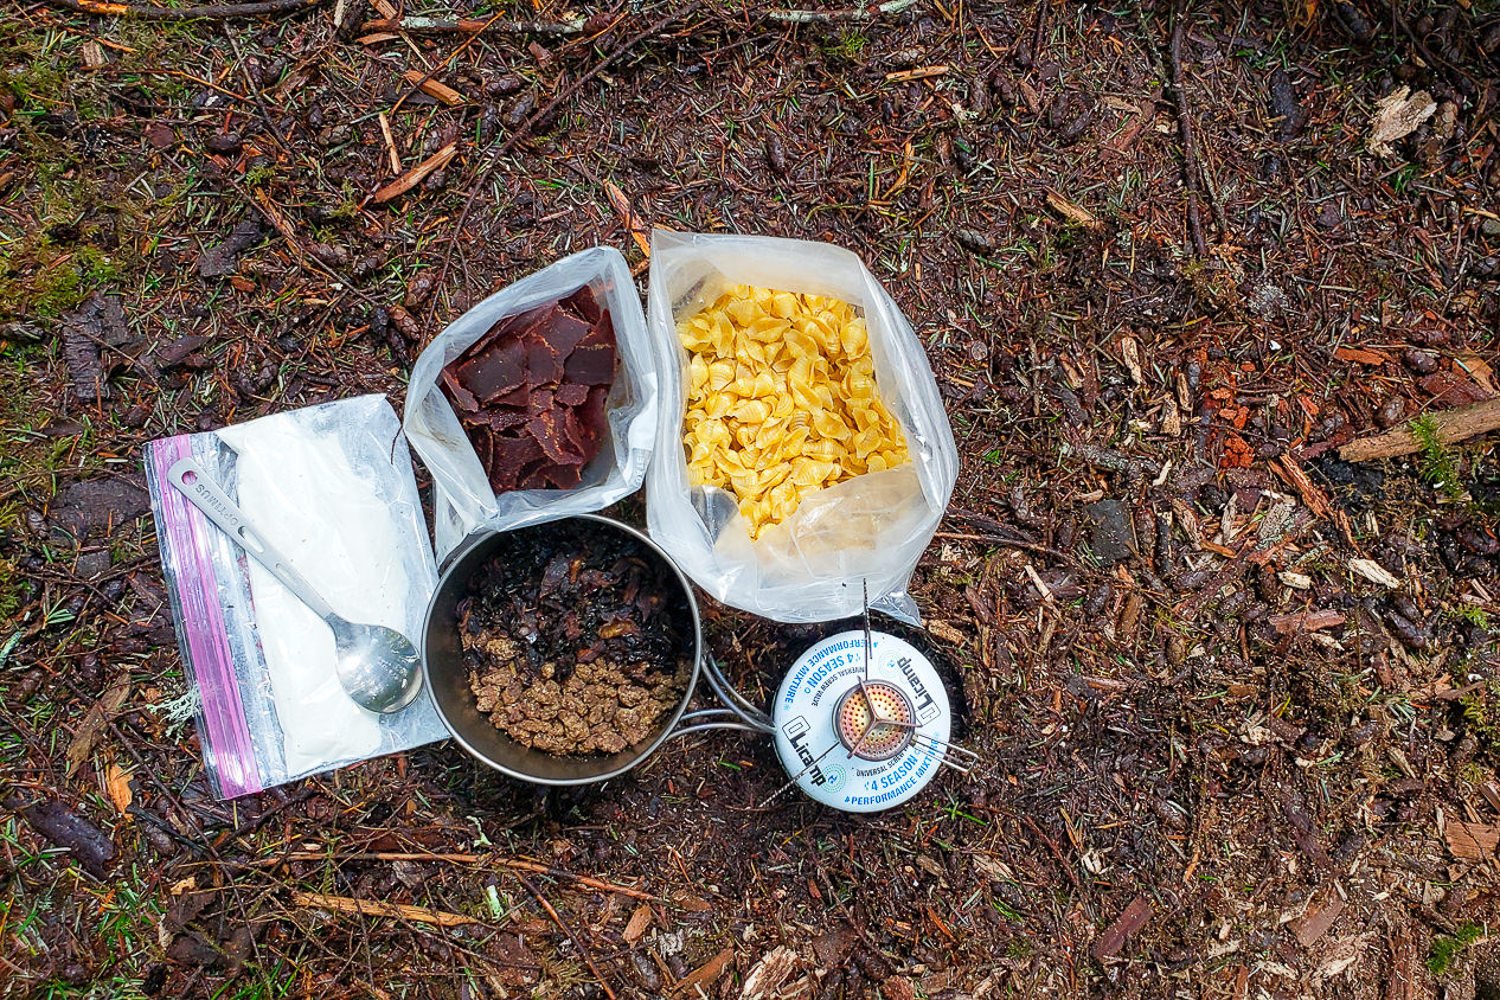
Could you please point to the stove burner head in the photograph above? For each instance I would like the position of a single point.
(877, 735)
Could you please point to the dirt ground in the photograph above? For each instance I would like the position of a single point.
(1237, 700)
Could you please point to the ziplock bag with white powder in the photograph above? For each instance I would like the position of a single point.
(331, 486)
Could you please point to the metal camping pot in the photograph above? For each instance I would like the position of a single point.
(447, 679)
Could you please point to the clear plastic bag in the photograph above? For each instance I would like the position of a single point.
(332, 487)
(462, 497)
(871, 529)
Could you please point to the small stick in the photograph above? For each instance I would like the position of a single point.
(473, 26)
(1448, 427)
(515, 864)
(215, 11)
(558, 920)
(1191, 170)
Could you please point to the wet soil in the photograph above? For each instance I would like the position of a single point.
(1222, 757)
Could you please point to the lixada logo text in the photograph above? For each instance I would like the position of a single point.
(796, 733)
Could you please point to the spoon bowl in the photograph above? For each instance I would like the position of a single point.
(378, 666)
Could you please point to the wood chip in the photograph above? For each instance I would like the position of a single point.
(1074, 213)
(1295, 580)
(434, 89)
(1130, 353)
(375, 908)
(1375, 573)
(1312, 495)
(639, 921)
(920, 73)
(706, 973)
(1491, 793)
(946, 632)
(117, 786)
(390, 142)
(1472, 841)
(416, 174)
(1360, 356)
(1316, 923)
(1126, 925)
(94, 720)
(1307, 621)
(773, 969)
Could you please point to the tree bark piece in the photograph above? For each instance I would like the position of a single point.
(1126, 925)
(1472, 841)
(1449, 426)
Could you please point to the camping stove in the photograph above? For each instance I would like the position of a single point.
(862, 722)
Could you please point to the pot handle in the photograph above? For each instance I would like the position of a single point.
(737, 713)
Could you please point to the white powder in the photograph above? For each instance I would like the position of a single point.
(300, 490)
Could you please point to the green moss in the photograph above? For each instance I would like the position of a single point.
(1446, 947)
(1481, 708)
(39, 279)
(847, 48)
(1438, 465)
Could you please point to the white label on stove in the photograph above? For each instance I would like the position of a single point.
(807, 739)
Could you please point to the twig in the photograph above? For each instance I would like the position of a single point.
(558, 920)
(1448, 427)
(417, 24)
(214, 11)
(1190, 167)
(377, 908)
(855, 16)
(1062, 859)
(472, 26)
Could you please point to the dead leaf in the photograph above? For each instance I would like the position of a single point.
(1472, 841)
(117, 784)
(633, 222)
(1397, 115)
(90, 846)
(1076, 214)
(99, 713)
(416, 174)
(639, 921)
(375, 908)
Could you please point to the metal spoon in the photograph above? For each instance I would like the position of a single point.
(377, 666)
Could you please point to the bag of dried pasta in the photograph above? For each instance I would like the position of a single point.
(802, 451)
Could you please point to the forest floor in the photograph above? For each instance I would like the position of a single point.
(1237, 700)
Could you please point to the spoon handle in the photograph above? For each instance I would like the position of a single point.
(205, 494)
